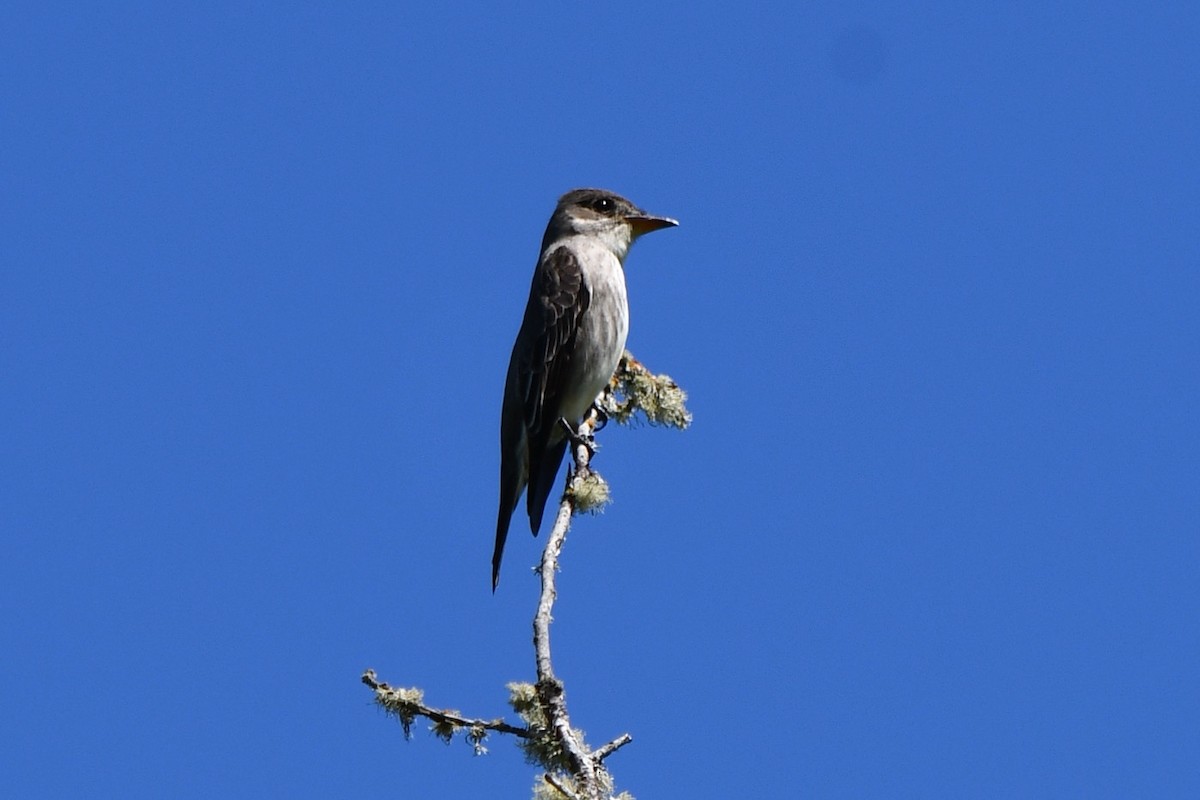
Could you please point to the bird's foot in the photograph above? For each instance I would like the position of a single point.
(576, 439)
(600, 416)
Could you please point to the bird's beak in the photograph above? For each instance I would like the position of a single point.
(645, 223)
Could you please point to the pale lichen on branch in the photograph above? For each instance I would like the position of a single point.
(408, 704)
(634, 392)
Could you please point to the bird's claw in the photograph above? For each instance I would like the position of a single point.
(576, 439)
(601, 417)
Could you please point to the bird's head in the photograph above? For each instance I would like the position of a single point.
(605, 215)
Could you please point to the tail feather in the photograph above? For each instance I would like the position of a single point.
(541, 483)
(542, 472)
(502, 522)
(512, 481)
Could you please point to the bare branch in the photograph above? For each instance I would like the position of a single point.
(407, 705)
(573, 769)
(550, 690)
(559, 787)
(584, 765)
(604, 751)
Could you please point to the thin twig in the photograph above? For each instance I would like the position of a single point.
(563, 790)
(550, 688)
(604, 751)
(394, 699)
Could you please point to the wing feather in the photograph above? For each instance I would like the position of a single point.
(558, 299)
(531, 451)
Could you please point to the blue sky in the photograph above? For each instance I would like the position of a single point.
(934, 297)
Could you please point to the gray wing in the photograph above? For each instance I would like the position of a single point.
(557, 302)
(541, 363)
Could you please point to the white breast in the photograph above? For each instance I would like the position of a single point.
(603, 330)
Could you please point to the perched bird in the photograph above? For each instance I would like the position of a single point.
(569, 344)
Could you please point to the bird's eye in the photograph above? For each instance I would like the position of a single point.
(602, 204)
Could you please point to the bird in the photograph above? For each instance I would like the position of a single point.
(568, 346)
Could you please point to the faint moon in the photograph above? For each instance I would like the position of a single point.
(858, 54)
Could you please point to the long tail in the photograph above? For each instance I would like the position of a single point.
(512, 483)
(542, 474)
(502, 521)
(541, 483)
